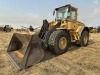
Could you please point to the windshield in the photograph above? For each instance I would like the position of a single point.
(62, 14)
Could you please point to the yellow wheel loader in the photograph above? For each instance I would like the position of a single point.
(26, 50)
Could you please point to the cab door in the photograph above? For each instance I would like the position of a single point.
(74, 18)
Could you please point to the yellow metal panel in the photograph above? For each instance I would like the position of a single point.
(71, 25)
(80, 29)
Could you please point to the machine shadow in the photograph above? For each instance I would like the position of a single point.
(91, 42)
(49, 55)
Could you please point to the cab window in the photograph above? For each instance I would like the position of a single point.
(74, 15)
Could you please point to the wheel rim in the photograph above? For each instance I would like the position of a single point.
(62, 43)
(85, 39)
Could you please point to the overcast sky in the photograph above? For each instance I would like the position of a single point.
(32, 12)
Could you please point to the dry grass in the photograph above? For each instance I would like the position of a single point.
(77, 61)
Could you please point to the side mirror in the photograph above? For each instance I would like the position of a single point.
(53, 12)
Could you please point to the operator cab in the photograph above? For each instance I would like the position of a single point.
(66, 12)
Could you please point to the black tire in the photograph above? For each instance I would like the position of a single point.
(53, 41)
(7, 30)
(43, 46)
(82, 42)
(45, 42)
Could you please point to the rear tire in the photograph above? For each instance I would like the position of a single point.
(59, 42)
(84, 39)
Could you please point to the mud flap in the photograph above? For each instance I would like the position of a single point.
(25, 50)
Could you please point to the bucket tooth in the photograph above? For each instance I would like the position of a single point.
(25, 50)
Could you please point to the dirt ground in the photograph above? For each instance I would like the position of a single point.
(77, 61)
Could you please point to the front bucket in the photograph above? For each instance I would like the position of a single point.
(25, 50)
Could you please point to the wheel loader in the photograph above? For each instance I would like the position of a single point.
(26, 50)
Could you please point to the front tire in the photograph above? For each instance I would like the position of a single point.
(59, 42)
